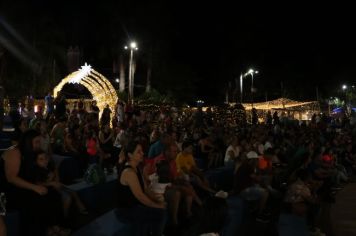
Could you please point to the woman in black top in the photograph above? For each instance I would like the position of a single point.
(40, 208)
(134, 205)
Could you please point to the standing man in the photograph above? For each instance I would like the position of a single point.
(48, 104)
(120, 112)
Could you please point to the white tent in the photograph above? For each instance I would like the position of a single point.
(280, 103)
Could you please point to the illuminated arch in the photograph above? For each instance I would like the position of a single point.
(100, 87)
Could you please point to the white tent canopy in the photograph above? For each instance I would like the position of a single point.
(280, 103)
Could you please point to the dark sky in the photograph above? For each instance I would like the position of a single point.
(205, 46)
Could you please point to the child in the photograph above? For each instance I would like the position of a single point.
(44, 174)
(161, 180)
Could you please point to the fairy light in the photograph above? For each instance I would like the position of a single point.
(276, 104)
(100, 87)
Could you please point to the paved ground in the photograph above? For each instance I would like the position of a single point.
(343, 212)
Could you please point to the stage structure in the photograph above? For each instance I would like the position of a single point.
(100, 87)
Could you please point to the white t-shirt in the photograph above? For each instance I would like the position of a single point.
(119, 138)
(158, 188)
(120, 113)
(235, 150)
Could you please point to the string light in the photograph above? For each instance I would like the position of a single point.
(276, 104)
(100, 87)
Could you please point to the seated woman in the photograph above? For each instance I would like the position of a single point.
(134, 205)
(41, 209)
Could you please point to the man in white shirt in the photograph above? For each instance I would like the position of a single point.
(232, 152)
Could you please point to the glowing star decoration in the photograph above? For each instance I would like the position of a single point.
(100, 87)
(83, 72)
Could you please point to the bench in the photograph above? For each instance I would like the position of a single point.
(98, 196)
(105, 225)
(12, 221)
(68, 168)
(221, 178)
(236, 213)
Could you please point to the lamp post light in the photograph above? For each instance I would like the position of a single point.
(249, 72)
(344, 89)
(133, 47)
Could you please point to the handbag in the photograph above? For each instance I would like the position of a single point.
(94, 174)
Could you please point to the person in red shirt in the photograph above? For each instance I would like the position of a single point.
(169, 153)
(265, 162)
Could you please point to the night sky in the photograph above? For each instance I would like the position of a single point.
(199, 48)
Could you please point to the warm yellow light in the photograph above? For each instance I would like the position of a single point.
(100, 87)
(275, 104)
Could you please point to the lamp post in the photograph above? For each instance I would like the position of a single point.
(249, 72)
(344, 89)
(132, 47)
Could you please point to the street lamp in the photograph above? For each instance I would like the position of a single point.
(249, 72)
(344, 89)
(132, 47)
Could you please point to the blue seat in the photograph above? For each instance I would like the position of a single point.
(12, 221)
(221, 178)
(5, 139)
(68, 168)
(236, 213)
(106, 225)
(292, 225)
(99, 196)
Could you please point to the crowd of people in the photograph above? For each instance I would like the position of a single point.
(162, 155)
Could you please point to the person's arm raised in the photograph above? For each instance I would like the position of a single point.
(130, 178)
(12, 160)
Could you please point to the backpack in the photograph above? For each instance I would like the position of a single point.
(94, 174)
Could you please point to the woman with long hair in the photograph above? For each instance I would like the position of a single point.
(134, 205)
(39, 207)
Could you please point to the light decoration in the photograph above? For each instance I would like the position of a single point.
(280, 103)
(100, 87)
(81, 73)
